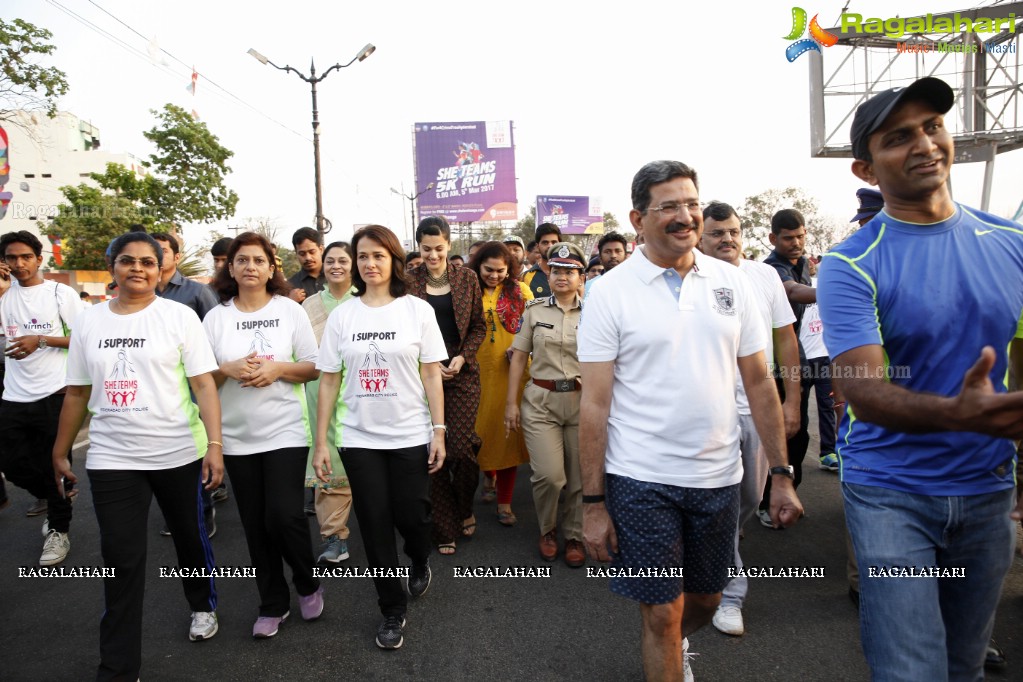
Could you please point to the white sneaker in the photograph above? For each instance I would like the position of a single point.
(55, 548)
(204, 625)
(687, 671)
(728, 619)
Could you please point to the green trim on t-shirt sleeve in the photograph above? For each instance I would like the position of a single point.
(299, 391)
(862, 273)
(848, 431)
(341, 409)
(990, 224)
(191, 410)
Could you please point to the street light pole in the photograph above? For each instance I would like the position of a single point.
(322, 224)
(321, 221)
(412, 201)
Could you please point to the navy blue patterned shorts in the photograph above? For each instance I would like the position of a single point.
(662, 527)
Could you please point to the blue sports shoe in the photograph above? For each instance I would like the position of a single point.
(829, 462)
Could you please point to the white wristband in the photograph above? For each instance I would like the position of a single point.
(440, 426)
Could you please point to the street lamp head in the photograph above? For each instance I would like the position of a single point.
(261, 58)
(396, 191)
(366, 51)
(430, 186)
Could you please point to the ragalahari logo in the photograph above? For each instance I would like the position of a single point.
(818, 36)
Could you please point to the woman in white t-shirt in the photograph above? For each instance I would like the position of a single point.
(266, 349)
(381, 351)
(333, 498)
(131, 363)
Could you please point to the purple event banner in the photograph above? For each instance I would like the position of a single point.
(573, 215)
(472, 168)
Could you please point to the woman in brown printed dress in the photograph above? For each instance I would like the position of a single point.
(455, 297)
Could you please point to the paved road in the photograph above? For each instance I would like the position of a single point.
(566, 627)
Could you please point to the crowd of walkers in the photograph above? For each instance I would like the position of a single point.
(395, 384)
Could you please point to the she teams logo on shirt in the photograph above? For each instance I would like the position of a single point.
(260, 346)
(122, 386)
(373, 374)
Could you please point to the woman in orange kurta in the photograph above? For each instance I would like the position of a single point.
(504, 299)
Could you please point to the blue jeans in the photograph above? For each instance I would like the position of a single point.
(932, 628)
(819, 379)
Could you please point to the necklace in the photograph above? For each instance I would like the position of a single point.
(437, 282)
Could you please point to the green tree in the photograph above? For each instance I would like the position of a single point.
(526, 227)
(25, 84)
(186, 186)
(188, 172)
(88, 222)
(610, 222)
(289, 261)
(822, 231)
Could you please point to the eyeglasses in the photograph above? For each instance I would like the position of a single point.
(718, 234)
(129, 262)
(493, 326)
(673, 208)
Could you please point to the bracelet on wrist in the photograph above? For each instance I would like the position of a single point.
(215, 442)
(442, 427)
(592, 499)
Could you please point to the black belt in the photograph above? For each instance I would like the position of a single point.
(559, 385)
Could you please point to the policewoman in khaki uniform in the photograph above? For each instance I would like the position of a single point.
(550, 403)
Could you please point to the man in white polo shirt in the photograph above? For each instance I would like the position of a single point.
(659, 431)
(722, 239)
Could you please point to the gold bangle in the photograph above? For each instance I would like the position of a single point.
(214, 442)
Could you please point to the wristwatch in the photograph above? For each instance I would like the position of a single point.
(42, 341)
(784, 471)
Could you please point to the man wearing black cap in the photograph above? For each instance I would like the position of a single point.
(920, 331)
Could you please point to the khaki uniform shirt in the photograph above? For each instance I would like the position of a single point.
(549, 333)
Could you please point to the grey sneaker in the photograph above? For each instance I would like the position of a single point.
(335, 550)
(55, 548)
(38, 507)
(204, 625)
(419, 580)
(687, 670)
(389, 634)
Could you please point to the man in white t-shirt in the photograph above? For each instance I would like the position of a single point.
(722, 239)
(659, 425)
(37, 316)
(818, 377)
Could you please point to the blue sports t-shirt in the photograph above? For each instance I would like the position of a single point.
(933, 296)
